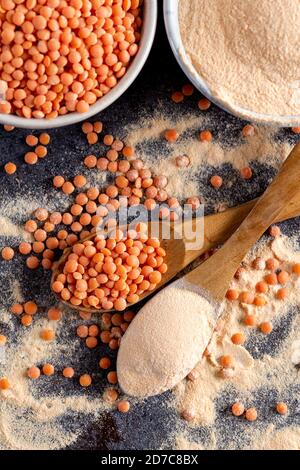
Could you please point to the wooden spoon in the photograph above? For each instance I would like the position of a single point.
(167, 338)
(217, 229)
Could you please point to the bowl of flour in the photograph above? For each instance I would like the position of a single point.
(241, 54)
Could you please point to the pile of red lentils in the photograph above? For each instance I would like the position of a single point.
(59, 56)
(110, 273)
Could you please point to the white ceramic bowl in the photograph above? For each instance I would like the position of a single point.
(174, 36)
(148, 33)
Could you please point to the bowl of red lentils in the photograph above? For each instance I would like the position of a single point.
(65, 61)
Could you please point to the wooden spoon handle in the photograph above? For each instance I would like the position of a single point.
(216, 273)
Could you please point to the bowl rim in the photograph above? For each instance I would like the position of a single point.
(170, 9)
(147, 38)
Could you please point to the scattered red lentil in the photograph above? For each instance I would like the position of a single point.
(248, 131)
(3, 340)
(246, 173)
(85, 380)
(232, 294)
(249, 320)
(296, 269)
(7, 253)
(10, 168)
(112, 377)
(31, 140)
(188, 89)
(266, 327)
(282, 293)
(44, 138)
(8, 127)
(204, 104)
(104, 363)
(281, 408)
(216, 181)
(26, 320)
(271, 279)
(205, 136)
(246, 297)
(17, 309)
(58, 181)
(251, 414)
(110, 395)
(171, 135)
(238, 338)
(260, 301)
(30, 308)
(237, 409)
(68, 372)
(54, 314)
(283, 277)
(262, 287)
(4, 383)
(177, 97)
(123, 406)
(227, 362)
(33, 372)
(48, 369)
(272, 264)
(91, 342)
(183, 161)
(47, 334)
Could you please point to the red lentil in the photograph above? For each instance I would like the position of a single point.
(238, 338)
(251, 414)
(47, 334)
(85, 380)
(171, 135)
(248, 131)
(17, 309)
(4, 383)
(281, 408)
(68, 372)
(123, 406)
(33, 372)
(226, 362)
(216, 181)
(177, 97)
(10, 168)
(237, 409)
(7, 253)
(205, 136)
(266, 328)
(48, 369)
(204, 104)
(110, 395)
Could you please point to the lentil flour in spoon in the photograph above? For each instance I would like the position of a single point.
(172, 331)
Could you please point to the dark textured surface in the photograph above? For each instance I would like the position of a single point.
(151, 424)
